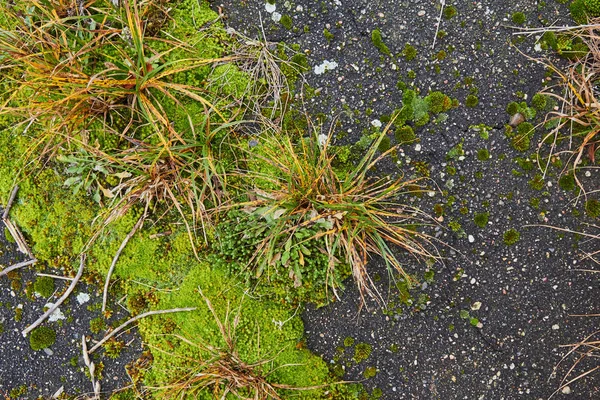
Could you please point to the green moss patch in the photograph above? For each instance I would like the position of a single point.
(42, 338)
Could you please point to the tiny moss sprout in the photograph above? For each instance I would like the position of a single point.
(377, 40)
(481, 219)
(539, 101)
(348, 341)
(472, 101)
(362, 351)
(42, 338)
(286, 22)
(519, 18)
(449, 12)
(592, 208)
(44, 286)
(483, 154)
(511, 237)
(409, 52)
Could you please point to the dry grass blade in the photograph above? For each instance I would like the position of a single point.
(579, 107)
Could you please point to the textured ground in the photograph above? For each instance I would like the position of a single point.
(522, 295)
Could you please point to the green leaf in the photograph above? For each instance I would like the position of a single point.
(285, 257)
(71, 181)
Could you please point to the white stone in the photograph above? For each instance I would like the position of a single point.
(56, 314)
(270, 7)
(471, 239)
(376, 123)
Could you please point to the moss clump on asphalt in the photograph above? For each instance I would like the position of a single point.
(409, 52)
(483, 154)
(362, 351)
(377, 40)
(286, 22)
(481, 219)
(511, 237)
(539, 101)
(567, 182)
(519, 18)
(592, 208)
(472, 101)
(405, 134)
(42, 338)
(44, 286)
(449, 12)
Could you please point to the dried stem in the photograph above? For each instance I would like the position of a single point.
(137, 226)
(17, 266)
(11, 199)
(60, 301)
(134, 319)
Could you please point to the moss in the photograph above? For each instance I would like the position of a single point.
(481, 219)
(362, 351)
(438, 102)
(328, 35)
(511, 237)
(370, 372)
(537, 182)
(42, 338)
(539, 101)
(8, 236)
(378, 42)
(578, 11)
(518, 18)
(44, 286)
(385, 144)
(483, 154)
(521, 143)
(300, 61)
(449, 12)
(97, 325)
(592, 208)
(286, 22)
(471, 101)
(567, 182)
(592, 7)
(349, 341)
(409, 52)
(512, 108)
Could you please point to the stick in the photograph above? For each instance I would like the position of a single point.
(59, 302)
(132, 320)
(137, 226)
(439, 22)
(18, 236)
(64, 278)
(17, 266)
(13, 194)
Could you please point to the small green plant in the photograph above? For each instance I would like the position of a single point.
(113, 347)
(511, 237)
(592, 7)
(567, 182)
(44, 286)
(409, 52)
(472, 101)
(362, 351)
(483, 154)
(348, 341)
(539, 101)
(592, 208)
(519, 18)
(97, 325)
(42, 338)
(286, 21)
(405, 134)
(377, 40)
(370, 372)
(481, 219)
(449, 12)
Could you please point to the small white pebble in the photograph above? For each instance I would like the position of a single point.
(566, 390)
(376, 123)
(555, 327)
(276, 17)
(418, 147)
(471, 239)
(476, 306)
(421, 13)
(270, 7)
